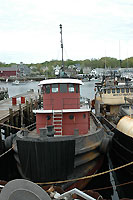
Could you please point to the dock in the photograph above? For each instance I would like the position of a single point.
(16, 112)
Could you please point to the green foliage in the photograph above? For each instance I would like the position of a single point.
(90, 63)
(128, 62)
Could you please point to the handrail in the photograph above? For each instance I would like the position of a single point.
(78, 192)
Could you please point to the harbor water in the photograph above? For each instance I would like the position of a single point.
(105, 184)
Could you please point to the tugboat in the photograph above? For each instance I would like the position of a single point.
(68, 143)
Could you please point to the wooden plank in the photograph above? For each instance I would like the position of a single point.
(6, 105)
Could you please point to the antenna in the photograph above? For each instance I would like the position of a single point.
(61, 44)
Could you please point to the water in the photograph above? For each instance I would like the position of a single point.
(107, 180)
(19, 89)
(87, 90)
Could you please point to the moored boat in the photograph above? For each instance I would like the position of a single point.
(69, 141)
(17, 82)
(111, 104)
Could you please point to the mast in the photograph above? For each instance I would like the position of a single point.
(61, 45)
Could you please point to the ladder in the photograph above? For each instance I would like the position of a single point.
(57, 122)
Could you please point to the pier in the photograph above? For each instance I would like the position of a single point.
(16, 112)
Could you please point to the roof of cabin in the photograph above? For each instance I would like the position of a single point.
(63, 111)
(61, 80)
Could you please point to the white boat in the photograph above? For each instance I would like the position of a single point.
(17, 82)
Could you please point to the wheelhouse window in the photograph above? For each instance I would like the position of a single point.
(127, 90)
(113, 91)
(104, 91)
(118, 90)
(122, 90)
(63, 88)
(77, 88)
(54, 88)
(71, 87)
(47, 87)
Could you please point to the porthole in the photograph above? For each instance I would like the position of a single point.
(48, 117)
(71, 116)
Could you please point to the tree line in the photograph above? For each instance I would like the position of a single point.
(92, 63)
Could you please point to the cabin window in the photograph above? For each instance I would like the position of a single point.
(113, 91)
(63, 88)
(71, 87)
(77, 89)
(108, 91)
(127, 90)
(84, 116)
(54, 88)
(47, 89)
(118, 90)
(122, 90)
(131, 89)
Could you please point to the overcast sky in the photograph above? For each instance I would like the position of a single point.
(29, 29)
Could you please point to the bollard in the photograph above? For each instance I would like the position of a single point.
(22, 100)
(14, 101)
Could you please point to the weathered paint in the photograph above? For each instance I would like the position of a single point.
(68, 100)
(80, 121)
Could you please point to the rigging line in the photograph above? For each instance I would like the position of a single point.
(66, 54)
(105, 188)
(87, 177)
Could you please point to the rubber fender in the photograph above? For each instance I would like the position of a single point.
(8, 141)
(105, 145)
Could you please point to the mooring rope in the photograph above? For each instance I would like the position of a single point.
(82, 178)
(69, 180)
(86, 177)
(21, 129)
(14, 127)
(109, 187)
(7, 151)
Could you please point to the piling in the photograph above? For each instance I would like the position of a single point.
(15, 114)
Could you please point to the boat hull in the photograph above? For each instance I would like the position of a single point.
(122, 147)
(52, 159)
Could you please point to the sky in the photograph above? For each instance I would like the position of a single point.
(30, 33)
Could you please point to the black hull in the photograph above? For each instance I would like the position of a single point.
(122, 147)
(54, 159)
